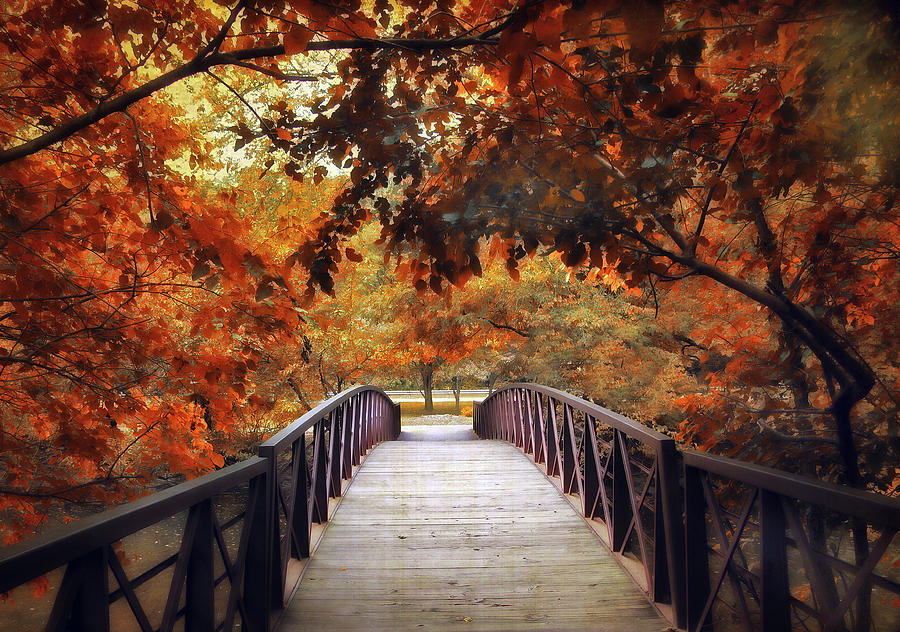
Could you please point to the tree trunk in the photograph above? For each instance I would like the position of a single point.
(841, 407)
(817, 533)
(427, 374)
(208, 418)
(299, 393)
(455, 384)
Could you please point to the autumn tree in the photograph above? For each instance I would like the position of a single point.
(433, 332)
(662, 141)
(353, 336)
(584, 332)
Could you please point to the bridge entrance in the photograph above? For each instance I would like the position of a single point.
(441, 532)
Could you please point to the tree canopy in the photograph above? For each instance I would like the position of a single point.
(740, 157)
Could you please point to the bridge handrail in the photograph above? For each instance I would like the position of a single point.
(611, 418)
(723, 505)
(287, 435)
(29, 559)
(750, 503)
(582, 471)
(344, 428)
(875, 508)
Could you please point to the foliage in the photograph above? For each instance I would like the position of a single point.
(740, 159)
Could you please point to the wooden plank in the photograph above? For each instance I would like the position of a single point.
(460, 534)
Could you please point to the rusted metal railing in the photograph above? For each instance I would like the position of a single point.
(625, 473)
(274, 500)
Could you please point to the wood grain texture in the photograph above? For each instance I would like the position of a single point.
(438, 534)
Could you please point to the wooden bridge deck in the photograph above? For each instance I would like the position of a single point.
(440, 532)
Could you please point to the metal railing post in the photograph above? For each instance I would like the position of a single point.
(669, 492)
(257, 581)
(776, 593)
(83, 605)
(696, 577)
(200, 598)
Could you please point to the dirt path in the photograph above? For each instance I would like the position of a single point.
(437, 420)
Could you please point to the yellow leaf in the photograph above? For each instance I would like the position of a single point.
(577, 195)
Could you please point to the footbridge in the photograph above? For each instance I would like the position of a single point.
(548, 513)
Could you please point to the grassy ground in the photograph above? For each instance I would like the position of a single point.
(410, 410)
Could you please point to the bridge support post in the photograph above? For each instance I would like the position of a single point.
(347, 441)
(493, 419)
(199, 613)
(319, 487)
(669, 565)
(502, 421)
(257, 581)
(365, 409)
(355, 415)
(335, 450)
(696, 577)
(516, 416)
(300, 507)
(775, 601)
(622, 511)
(508, 417)
(82, 604)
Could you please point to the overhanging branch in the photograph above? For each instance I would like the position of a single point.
(202, 64)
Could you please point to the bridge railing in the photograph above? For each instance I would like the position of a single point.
(625, 474)
(244, 524)
(310, 459)
(775, 551)
(729, 545)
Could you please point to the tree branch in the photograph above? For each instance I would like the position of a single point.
(508, 328)
(61, 493)
(201, 64)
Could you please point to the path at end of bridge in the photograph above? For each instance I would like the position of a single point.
(438, 531)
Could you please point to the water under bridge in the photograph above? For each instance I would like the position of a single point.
(549, 513)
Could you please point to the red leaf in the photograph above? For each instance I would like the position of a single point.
(644, 20)
(296, 40)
